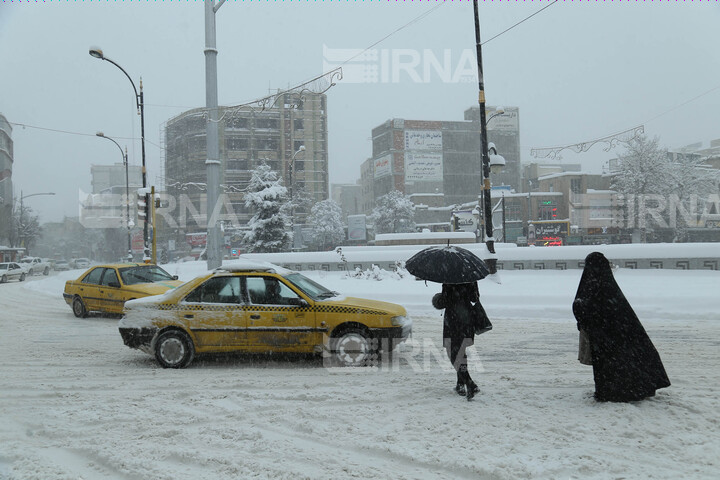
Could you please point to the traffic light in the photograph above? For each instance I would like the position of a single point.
(141, 207)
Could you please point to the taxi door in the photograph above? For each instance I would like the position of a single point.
(214, 313)
(278, 317)
(89, 289)
(110, 296)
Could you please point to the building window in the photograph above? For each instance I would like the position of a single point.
(267, 144)
(237, 144)
(298, 124)
(237, 164)
(237, 123)
(269, 123)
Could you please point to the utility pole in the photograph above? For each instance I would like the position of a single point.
(214, 259)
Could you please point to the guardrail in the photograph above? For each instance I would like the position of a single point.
(675, 256)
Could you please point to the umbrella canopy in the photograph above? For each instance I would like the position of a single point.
(447, 264)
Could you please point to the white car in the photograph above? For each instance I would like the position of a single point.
(36, 265)
(11, 271)
(82, 263)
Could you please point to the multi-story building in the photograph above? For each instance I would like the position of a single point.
(6, 186)
(431, 157)
(247, 138)
(348, 196)
(111, 178)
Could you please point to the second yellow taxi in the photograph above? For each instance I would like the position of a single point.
(106, 288)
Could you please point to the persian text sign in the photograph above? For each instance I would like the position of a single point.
(420, 166)
(383, 166)
(423, 140)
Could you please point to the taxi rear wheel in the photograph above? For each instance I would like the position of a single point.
(174, 349)
(79, 308)
(353, 347)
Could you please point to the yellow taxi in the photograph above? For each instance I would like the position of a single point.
(257, 307)
(106, 288)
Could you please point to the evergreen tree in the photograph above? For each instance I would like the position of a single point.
(267, 198)
(394, 213)
(328, 229)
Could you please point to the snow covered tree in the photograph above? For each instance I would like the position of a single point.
(643, 169)
(267, 198)
(394, 213)
(328, 229)
(25, 228)
(667, 190)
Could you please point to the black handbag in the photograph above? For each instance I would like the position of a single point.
(481, 322)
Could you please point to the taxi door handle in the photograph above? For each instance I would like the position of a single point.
(255, 317)
(189, 316)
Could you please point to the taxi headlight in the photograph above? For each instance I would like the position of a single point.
(399, 321)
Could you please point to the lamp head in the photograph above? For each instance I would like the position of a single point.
(302, 148)
(100, 134)
(97, 53)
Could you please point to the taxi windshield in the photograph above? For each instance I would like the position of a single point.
(312, 289)
(143, 274)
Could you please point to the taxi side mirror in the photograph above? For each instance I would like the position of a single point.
(174, 277)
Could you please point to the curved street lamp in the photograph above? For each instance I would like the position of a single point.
(127, 191)
(23, 197)
(139, 100)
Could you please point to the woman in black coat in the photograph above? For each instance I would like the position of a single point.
(459, 329)
(626, 365)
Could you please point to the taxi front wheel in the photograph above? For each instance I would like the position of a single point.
(174, 349)
(354, 347)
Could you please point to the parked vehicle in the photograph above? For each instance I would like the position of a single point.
(82, 263)
(256, 307)
(11, 271)
(36, 265)
(61, 265)
(105, 288)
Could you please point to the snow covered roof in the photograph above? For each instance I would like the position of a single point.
(245, 265)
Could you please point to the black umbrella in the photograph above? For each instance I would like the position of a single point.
(447, 264)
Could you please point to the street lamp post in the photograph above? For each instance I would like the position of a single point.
(127, 191)
(140, 102)
(292, 190)
(489, 240)
(23, 197)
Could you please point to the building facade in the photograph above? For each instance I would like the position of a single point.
(111, 178)
(290, 137)
(6, 186)
(442, 157)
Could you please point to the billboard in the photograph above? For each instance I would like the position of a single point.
(508, 122)
(423, 166)
(383, 166)
(423, 140)
(357, 229)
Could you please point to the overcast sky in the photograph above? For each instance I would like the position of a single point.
(577, 71)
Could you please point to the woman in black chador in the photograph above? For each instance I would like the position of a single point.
(626, 365)
(459, 329)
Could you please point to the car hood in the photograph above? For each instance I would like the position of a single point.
(364, 303)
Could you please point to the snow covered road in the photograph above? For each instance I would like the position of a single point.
(75, 403)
